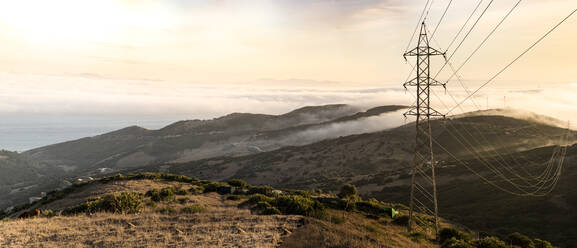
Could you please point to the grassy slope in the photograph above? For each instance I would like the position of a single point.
(223, 224)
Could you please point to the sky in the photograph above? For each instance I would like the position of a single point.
(183, 59)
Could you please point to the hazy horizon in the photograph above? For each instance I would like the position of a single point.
(155, 62)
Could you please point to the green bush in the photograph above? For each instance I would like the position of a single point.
(233, 197)
(299, 205)
(212, 187)
(542, 244)
(122, 202)
(489, 242)
(520, 240)
(258, 198)
(456, 243)
(263, 190)
(48, 213)
(371, 207)
(449, 233)
(180, 191)
(271, 211)
(194, 209)
(164, 194)
(196, 189)
(302, 193)
(262, 205)
(182, 200)
(348, 190)
(237, 183)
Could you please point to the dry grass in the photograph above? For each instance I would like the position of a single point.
(222, 225)
(356, 232)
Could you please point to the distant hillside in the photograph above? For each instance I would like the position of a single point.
(195, 139)
(132, 147)
(21, 177)
(386, 154)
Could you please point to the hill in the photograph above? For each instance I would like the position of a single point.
(161, 210)
(378, 164)
(232, 135)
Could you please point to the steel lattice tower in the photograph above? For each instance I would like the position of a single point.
(423, 181)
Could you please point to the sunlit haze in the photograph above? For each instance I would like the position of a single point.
(180, 59)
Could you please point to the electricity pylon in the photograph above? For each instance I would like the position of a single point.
(423, 183)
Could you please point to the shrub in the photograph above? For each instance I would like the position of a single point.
(180, 191)
(237, 183)
(348, 190)
(123, 202)
(165, 194)
(299, 205)
(456, 243)
(166, 210)
(520, 240)
(48, 213)
(489, 242)
(196, 189)
(371, 207)
(194, 209)
(233, 197)
(258, 198)
(271, 211)
(263, 190)
(302, 193)
(542, 244)
(449, 233)
(212, 187)
(262, 205)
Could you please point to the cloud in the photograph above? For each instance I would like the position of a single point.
(94, 95)
(100, 96)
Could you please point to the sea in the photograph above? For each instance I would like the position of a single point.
(21, 133)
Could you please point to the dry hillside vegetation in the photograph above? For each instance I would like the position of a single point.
(195, 220)
(221, 224)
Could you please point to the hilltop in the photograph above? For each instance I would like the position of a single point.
(177, 211)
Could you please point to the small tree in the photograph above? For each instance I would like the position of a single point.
(237, 183)
(520, 240)
(348, 193)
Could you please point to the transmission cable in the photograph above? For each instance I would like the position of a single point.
(485, 40)
(466, 36)
(419, 23)
(516, 59)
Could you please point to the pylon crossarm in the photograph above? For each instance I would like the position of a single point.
(413, 52)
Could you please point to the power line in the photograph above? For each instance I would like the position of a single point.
(516, 59)
(485, 40)
(464, 25)
(441, 19)
(466, 36)
(418, 24)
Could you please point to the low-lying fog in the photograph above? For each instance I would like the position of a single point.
(36, 114)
